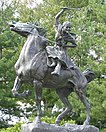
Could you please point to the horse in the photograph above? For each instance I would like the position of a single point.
(32, 67)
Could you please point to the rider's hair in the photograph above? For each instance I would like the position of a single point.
(66, 23)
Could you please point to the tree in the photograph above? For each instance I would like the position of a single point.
(8, 56)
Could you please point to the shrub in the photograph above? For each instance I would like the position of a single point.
(15, 128)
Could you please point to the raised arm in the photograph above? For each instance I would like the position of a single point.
(59, 14)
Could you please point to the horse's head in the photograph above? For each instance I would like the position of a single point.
(24, 29)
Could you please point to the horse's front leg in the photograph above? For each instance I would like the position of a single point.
(17, 85)
(38, 96)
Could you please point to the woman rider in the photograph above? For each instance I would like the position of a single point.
(63, 37)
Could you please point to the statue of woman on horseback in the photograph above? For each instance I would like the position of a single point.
(37, 62)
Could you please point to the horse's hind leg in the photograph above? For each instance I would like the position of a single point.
(38, 96)
(84, 100)
(64, 99)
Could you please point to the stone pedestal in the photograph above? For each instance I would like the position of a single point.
(44, 127)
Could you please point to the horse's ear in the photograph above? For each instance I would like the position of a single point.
(41, 31)
(36, 23)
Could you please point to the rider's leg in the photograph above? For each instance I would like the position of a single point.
(57, 69)
(53, 62)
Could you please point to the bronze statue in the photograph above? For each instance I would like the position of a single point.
(32, 67)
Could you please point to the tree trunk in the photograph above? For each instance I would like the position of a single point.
(0, 52)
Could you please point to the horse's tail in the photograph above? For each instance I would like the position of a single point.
(89, 74)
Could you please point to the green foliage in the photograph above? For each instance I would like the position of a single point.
(51, 120)
(15, 128)
(8, 55)
(103, 130)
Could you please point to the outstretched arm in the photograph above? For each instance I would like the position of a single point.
(70, 46)
(59, 14)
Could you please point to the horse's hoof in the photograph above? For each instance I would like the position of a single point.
(16, 94)
(27, 93)
(86, 123)
(57, 122)
(37, 120)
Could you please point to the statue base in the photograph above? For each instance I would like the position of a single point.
(45, 127)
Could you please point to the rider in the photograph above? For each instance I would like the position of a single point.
(58, 54)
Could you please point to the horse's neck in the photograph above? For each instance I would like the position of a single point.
(29, 44)
(32, 46)
(28, 50)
